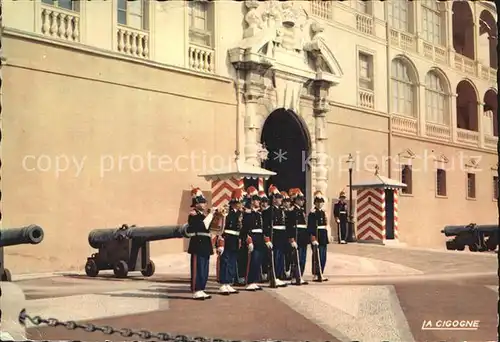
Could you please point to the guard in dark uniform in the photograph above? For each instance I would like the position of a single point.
(200, 245)
(252, 225)
(279, 237)
(299, 234)
(232, 240)
(318, 230)
(243, 251)
(341, 217)
(265, 210)
(287, 207)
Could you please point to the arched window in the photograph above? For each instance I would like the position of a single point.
(432, 21)
(435, 99)
(403, 89)
(488, 38)
(463, 28)
(467, 106)
(399, 15)
(490, 115)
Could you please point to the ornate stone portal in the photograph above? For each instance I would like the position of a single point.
(284, 62)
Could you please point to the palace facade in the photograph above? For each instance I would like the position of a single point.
(111, 110)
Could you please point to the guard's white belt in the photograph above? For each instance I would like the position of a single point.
(198, 234)
(257, 231)
(302, 226)
(342, 212)
(279, 227)
(232, 232)
(321, 227)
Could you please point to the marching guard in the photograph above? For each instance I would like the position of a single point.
(265, 211)
(287, 207)
(200, 245)
(279, 240)
(341, 216)
(253, 226)
(243, 252)
(299, 236)
(231, 237)
(317, 227)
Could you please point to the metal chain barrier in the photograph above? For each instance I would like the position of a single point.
(142, 334)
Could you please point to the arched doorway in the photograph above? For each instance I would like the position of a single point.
(286, 137)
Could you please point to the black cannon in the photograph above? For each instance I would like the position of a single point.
(479, 238)
(31, 234)
(127, 248)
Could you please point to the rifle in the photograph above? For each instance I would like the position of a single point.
(271, 271)
(298, 271)
(317, 262)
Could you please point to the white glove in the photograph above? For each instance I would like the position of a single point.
(315, 243)
(338, 221)
(250, 247)
(294, 245)
(269, 245)
(220, 250)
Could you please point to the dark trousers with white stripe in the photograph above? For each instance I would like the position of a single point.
(199, 272)
(302, 258)
(253, 275)
(228, 267)
(343, 228)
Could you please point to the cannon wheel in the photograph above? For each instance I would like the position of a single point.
(91, 268)
(149, 270)
(6, 276)
(473, 248)
(120, 269)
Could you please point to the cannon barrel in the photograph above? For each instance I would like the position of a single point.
(98, 237)
(31, 234)
(455, 230)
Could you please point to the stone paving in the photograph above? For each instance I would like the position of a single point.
(375, 293)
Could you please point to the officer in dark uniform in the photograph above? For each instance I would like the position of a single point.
(232, 239)
(298, 233)
(318, 230)
(252, 225)
(265, 210)
(279, 239)
(341, 216)
(200, 245)
(287, 207)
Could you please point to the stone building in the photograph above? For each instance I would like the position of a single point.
(112, 109)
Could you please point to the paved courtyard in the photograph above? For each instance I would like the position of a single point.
(375, 293)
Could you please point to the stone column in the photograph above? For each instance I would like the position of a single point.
(453, 119)
(421, 110)
(321, 107)
(251, 127)
(449, 32)
(253, 91)
(480, 123)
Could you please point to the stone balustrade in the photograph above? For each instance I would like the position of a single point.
(467, 137)
(60, 23)
(366, 98)
(490, 142)
(201, 58)
(438, 131)
(403, 40)
(464, 64)
(434, 52)
(364, 23)
(404, 124)
(132, 42)
(322, 9)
